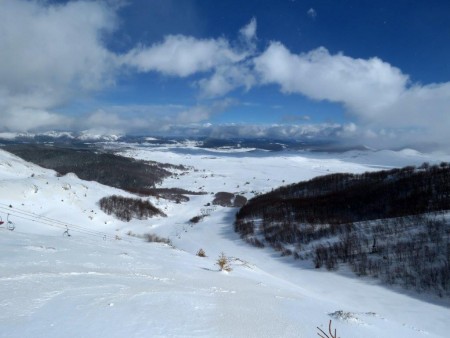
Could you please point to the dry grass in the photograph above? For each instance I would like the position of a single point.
(224, 263)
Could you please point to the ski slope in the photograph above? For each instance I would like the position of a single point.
(100, 282)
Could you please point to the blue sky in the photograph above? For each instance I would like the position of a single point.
(357, 71)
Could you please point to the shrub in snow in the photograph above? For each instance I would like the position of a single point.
(196, 219)
(223, 263)
(201, 253)
(157, 239)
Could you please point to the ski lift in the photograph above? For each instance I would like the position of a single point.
(9, 224)
(66, 233)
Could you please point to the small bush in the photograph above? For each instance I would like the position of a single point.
(157, 239)
(201, 253)
(224, 263)
(196, 219)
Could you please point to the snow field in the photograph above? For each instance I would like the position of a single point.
(84, 286)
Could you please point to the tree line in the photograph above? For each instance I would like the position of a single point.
(344, 198)
(387, 224)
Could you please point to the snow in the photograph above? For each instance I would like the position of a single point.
(88, 135)
(94, 285)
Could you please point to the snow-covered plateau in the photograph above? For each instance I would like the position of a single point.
(104, 280)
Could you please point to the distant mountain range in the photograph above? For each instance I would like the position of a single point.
(265, 144)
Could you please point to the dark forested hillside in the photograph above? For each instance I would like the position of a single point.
(342, 198)
(89, 164)
(388, 224)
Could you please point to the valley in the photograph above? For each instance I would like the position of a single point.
(107, 280)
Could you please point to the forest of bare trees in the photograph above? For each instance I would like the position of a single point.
(127, 208)
(94, 165)
(389, 224)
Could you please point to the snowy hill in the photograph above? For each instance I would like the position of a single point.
(101, 282)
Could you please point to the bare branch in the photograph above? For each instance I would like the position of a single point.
(329, 330)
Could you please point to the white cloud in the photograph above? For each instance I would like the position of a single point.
(180, 55)
(183, 56)
(312, 13)
(249, 30)
(52, 54)
(227, 78)
(379, 95)
(25, 119)
(46, 47)
(362, 85)
(49, 53)
(150, 118)
(201, 113)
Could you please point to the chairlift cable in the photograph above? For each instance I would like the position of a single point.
(21, 214)
(48, 221)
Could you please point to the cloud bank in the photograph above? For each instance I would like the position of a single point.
(151, 119)
(48, 55)
(377, 94)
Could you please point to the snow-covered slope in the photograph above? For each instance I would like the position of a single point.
(94, 285)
